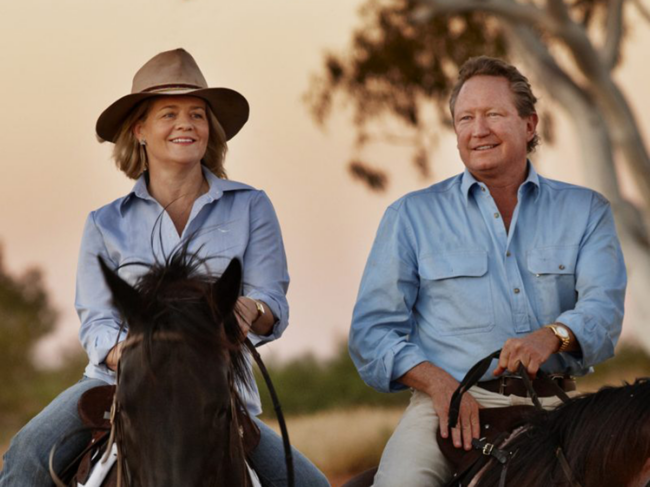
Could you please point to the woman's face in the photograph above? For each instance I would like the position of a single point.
(176, 131)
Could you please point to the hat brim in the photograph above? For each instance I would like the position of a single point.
(229, 106)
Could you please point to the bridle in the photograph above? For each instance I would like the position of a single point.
(503, 455)
(135, 340)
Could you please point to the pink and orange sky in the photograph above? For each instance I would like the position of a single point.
(64, 61)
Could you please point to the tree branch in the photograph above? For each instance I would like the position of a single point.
(514, 12)
(551, 20)
(591, 129)
(645, 13)
(558, 10)
(611, 50)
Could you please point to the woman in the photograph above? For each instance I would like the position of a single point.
(170, 134)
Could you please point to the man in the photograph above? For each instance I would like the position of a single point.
(496, 257)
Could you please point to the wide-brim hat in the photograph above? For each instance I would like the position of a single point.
(175, 73)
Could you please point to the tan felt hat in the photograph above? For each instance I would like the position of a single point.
(175, 73)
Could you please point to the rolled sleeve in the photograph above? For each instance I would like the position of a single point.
(601, 280)
(265, 266)
(100, 321)
(383, 319)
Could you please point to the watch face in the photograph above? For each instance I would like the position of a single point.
(562, 331)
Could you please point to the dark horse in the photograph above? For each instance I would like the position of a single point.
(603, 437)
(593, 440)
(177, 417)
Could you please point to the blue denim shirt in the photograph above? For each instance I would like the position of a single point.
(446, 283)
(230, 220)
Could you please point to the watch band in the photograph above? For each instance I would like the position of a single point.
(563, 335)
(260, 309)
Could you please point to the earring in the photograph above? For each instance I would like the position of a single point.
(143, 154)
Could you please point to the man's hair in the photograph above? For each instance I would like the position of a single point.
(519, 85)
(131, 159)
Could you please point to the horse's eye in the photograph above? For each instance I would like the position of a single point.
(220, 415)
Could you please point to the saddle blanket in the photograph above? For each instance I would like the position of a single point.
(102, 468)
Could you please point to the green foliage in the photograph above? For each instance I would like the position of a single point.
(26, 315)
(628, 363)
(306, 385)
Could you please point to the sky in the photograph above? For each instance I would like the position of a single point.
(65, 61)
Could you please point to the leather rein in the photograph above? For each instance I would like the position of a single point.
(502, 456)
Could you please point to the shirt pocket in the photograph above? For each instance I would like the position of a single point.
(554, 280)
(457, 292)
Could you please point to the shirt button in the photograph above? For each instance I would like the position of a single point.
(496, 215)
(517, 291)
(508, 254)
(483, 188)
(562, 267)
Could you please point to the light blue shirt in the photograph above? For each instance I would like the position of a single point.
(230, 220)
(446, 283)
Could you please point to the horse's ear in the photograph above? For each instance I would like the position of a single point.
(125, 297)
(227, 289)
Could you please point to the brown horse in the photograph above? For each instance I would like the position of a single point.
(176, 413)
(176, 405)
(602, 437)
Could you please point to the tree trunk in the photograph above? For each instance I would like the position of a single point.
(594, 139)
(602, 119)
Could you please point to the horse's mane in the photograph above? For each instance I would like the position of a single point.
(605, 437)
(177, 297)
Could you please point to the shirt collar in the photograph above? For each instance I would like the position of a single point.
(217, 188)
(468, 181)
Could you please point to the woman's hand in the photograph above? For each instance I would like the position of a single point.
(113, 356)
(250, 318)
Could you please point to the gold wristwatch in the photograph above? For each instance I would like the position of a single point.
(563, 334)
(260, 309)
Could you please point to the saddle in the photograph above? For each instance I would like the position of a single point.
(497, 424)
(94, 410)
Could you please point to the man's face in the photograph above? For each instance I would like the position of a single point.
(490, 134)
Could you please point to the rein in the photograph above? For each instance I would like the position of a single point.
(288, 457)
(502, 456)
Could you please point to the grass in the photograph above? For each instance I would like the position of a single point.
(342, 442)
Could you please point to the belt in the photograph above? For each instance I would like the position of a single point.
(513, 385)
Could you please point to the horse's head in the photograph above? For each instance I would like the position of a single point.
(182, 356)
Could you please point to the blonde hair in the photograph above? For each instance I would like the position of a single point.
(131, 158)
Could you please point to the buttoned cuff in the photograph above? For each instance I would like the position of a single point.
(280, 313)
(101, 344)
(596, 345)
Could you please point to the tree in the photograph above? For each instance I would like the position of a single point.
(408, 52)
(26, 315)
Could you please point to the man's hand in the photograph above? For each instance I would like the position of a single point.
(531, 351)
(440, 386)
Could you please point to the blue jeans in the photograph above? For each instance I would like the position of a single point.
(26, 463)
(268, 462)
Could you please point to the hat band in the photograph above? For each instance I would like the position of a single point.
(163, 88)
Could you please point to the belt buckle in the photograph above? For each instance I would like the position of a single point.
(502, 385)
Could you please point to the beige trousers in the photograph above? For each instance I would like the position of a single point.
(412, 457)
